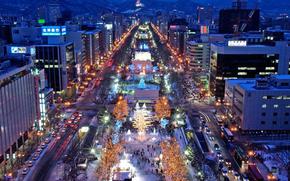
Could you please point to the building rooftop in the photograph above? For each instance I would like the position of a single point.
(274, 82)
(9, 67)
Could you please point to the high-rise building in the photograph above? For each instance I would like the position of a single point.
(26, 34)
(5, 33)
(239, 18)
(236, 60)
(92, 48)
(58, 61)
(53, 12)
(198, 56)
(109, 40)
(204, 15)
(177, 34)
(260, 105)
(18, 105)
(79, 37)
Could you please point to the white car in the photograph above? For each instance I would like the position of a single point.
(63, 130)
(221, 159)
(25, 171)
(29, 163)
(47, 140)
(43, 145)
(211, 138)
(35, 156)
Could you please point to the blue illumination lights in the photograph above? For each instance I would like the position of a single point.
(53, 30)
(164, 122)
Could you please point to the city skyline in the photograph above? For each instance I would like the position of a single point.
(131, 90)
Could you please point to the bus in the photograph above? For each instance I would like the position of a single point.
(227, 135)
(254, 173)
(240, 156)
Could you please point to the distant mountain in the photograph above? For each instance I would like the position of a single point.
(93, 6)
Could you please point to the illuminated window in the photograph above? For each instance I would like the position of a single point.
(264, 106)
(270, 68)
(276, 105)
(242, 73)
(264, 97)
(286, 97)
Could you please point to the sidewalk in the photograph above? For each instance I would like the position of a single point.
(182, 143)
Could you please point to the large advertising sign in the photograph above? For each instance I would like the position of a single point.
(15, 50)
(53, 30)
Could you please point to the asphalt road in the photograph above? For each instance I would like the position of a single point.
(51, 157)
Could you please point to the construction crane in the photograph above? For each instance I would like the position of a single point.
(238, 4)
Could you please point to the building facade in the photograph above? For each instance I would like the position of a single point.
(92, 48)
(239, 60)
(262, 104)
(58, 62)
(198, 56)
(177, 35)
(14, 127)
(239, 20)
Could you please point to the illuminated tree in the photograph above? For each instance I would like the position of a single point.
(162, 108)
(172, 161)
(121, 109)
(109, 158)
(140, 121)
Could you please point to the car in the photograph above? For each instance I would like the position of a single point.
(221, 159)
(224, 171)
(58, 136)
(25, 171)
(47, 140)
(216, 147)
(228, 162)
(35, 156)
(29, 163)
(43, 145)
(211, 138)
(230, 169)
(207, 130)
(39, 150)
(53, 134)
(236, 175)
(63, 130)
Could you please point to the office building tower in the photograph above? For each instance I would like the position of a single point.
(26, 34)
(58, 61)
(198, 56)
(260, 104)
(18, 105)
(204, 15)
(79, 37)
(236, 60)
(239, 18)
(177, 34)
(92, 48)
